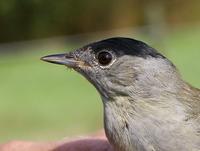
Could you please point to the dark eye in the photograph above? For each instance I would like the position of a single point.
(104, 58)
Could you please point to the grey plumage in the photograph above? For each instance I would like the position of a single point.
(147, 105)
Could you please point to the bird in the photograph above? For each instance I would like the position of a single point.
(147, 104)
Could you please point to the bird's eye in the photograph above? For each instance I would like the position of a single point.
(104, 58)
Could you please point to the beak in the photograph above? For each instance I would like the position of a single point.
(62, 59)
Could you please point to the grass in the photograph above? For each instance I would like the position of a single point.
(42, 101)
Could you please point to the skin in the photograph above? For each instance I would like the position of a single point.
(147, 105)
(97, 142)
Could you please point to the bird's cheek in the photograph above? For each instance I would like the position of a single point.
(87, 73)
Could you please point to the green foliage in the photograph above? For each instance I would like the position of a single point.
(36, 19)
(31, 19)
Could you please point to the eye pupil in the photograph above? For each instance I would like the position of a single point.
(104, 58)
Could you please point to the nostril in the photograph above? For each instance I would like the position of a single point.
(69, 55)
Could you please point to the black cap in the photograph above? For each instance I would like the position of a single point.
(126, 46)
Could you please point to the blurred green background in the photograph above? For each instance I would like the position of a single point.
(41, 101)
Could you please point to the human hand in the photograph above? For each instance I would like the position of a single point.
(92, 143)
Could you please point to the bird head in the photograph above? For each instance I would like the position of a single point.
(119, 66)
